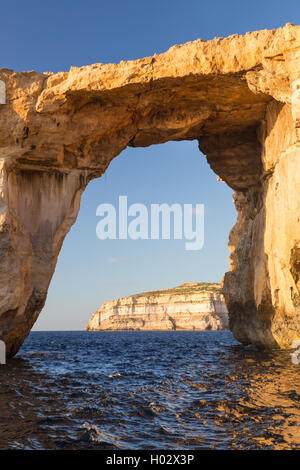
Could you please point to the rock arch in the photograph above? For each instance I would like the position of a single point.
(237, 96)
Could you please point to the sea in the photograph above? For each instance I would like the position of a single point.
(148, 390)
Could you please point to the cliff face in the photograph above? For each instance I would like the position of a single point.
(238, 96)
(191, 306)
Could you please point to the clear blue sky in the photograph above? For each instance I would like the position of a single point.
(52, 36)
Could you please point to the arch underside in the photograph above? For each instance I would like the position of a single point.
(59, 131)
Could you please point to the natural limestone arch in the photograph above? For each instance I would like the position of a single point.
(237, 96)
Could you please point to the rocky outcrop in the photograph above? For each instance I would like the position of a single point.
(191, 306)
(238, 96)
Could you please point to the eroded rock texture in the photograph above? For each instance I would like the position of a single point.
(238, 96)
(190, 306)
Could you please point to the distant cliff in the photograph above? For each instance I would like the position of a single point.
(190, 306)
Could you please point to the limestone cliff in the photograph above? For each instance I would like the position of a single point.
(190, 306)
(239, 97)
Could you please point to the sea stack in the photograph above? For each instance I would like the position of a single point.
(190, 306)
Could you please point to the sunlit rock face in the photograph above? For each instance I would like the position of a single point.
(238, 96)
(191, 306)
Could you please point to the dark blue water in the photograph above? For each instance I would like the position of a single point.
(147, 390)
